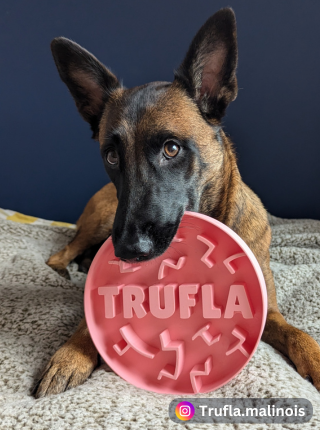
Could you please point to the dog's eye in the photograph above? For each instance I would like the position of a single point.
(112, 157)
(171, 149)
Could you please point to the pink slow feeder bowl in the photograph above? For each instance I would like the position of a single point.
(186, 322)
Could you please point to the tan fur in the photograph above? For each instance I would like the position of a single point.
(71, 365)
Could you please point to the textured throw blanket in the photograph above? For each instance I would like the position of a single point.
(39, 310)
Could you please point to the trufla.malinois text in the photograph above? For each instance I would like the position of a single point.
(165, 152)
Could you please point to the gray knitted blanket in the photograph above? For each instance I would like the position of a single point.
(39, 310)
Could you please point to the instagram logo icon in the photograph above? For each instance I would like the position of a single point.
(184, 411)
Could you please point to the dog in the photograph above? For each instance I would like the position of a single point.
(165, 152)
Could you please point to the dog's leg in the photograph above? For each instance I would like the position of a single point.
(302, 350)
(70, 366)
(82, 241)
(94, 226)
(254, 228)
(74, 362)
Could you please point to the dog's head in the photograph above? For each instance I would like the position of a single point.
(161, 143)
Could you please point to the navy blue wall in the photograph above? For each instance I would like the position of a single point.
(49, 167)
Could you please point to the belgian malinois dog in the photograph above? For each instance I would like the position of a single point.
(165, 152)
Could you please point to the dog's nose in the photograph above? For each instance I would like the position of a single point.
(137, 250)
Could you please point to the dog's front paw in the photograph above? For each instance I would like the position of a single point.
(68, 368)
(305, 353)
(61, 271)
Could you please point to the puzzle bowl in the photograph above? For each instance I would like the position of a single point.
(186, 322)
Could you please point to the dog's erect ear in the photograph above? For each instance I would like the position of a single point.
(89, 81)
(208, 72)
